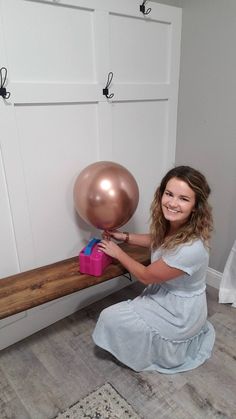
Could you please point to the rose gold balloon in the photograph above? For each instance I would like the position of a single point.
(106, 195)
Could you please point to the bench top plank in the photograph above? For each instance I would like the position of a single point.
(38, 286)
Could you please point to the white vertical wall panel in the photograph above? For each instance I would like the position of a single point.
(140, 130)
(59, 140)
(8, 254)
(144, 53)
(139, 50)
(54, 131)
(52, 44)
(52, 58)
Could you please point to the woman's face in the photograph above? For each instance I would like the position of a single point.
(178, 202)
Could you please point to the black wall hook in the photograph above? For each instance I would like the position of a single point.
(105, 91)
(143, 9)
(3, 76)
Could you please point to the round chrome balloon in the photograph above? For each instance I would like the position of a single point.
(106, 195)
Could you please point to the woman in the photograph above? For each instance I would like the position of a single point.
(165, 329)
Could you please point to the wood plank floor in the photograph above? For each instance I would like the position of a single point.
(51, 370)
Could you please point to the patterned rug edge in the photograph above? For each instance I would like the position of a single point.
(105, 403)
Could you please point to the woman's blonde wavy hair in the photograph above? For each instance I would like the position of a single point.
(200, 223)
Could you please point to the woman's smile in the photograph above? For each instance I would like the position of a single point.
(172, 210)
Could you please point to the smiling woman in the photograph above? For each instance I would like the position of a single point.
(165, 329)
(178, 202)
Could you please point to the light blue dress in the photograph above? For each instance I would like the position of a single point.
(165, 329)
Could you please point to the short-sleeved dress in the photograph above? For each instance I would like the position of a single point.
(165, 329)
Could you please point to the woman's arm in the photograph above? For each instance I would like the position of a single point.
(137, 239)
(154, 273)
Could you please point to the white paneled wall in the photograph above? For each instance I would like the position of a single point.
(57, 120)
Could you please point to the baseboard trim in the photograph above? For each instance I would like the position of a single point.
(213, 278)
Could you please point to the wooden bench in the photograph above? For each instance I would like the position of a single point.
(38, 286)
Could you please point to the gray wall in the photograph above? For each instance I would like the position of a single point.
(206, 133)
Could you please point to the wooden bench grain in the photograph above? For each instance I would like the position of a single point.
(29, 289)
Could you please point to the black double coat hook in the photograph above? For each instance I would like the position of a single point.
(142, 8)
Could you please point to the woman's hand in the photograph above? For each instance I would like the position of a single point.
(110, 248)
(131, 238)
(116, 234)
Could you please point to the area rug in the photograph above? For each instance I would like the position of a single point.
(103, 403)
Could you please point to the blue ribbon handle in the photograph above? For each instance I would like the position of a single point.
(88, 249)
